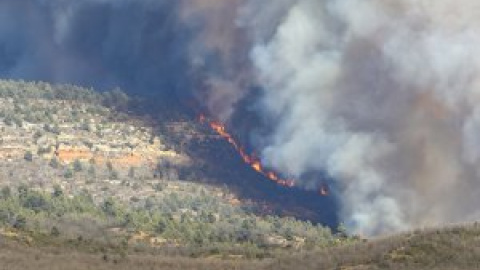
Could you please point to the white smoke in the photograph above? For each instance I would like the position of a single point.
(383, 96)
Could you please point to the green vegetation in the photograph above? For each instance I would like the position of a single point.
(79, 132)
(73, 179)
(40, 90)
(198, 221)
(433, 249)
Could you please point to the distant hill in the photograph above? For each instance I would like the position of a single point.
(454, 247)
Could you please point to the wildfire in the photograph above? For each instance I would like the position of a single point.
(252, 160)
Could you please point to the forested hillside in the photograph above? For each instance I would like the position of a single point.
(78, 168)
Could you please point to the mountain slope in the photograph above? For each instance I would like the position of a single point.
(77, 164)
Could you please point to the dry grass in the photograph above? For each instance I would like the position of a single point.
(15, 256)
(451, 248)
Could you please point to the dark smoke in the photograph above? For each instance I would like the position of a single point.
(140, 46)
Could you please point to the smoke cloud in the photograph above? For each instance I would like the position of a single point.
(376, 98)
(143, 46)
(103, 43)
(383, 98)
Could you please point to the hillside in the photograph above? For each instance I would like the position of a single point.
(454, 247)
(77, 166)
(109, 137)
(69, 129)
(87, 183)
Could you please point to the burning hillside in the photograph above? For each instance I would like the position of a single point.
(380, 97)
(251, 160)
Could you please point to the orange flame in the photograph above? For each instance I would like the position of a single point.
(252, 160)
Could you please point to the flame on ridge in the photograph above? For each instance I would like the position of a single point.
(252, 160)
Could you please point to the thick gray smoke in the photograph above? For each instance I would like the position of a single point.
(378, 98)
(383, 97)
(144, 46)
(103, 43)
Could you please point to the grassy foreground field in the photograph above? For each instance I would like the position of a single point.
(17, 257)
(450, 248)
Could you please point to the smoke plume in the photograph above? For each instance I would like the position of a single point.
(382, 97)
(376, 98)
(142, 46)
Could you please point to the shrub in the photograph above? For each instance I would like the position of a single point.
(28, 156)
